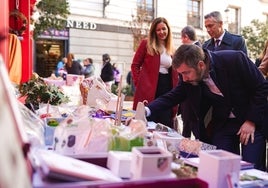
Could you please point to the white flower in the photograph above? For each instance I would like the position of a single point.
(35, 16)
(31, 27)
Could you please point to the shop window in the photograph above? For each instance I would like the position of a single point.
(48, 53)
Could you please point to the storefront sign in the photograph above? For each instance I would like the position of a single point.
(77, 24)
(81, 25)
(56, 33)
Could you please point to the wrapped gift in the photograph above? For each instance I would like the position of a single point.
(50, 126)
(71, 79)
(56, 82)
(82, 136)
(95, 94)
(125, 137)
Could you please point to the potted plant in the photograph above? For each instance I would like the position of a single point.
(126, 90)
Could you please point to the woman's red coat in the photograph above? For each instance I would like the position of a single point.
(145, 71)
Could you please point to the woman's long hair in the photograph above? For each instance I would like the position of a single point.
(153, 45)
(70, 58)
(264, 51)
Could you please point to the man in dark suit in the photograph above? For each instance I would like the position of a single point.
(229, 82)
(226, 40)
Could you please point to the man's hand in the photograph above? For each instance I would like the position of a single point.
(246, 132)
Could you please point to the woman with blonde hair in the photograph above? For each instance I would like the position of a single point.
(73, 66)
(151, 68)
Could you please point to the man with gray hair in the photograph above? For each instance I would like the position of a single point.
(188, 36)
(221, 39)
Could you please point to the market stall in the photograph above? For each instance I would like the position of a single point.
(81, 145)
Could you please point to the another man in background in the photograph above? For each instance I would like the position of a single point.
(188, 36)
(221, 39)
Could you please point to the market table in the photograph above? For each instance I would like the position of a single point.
(75, 95)
(256, 178)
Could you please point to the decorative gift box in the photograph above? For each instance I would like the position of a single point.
(219, 168)
(119, 163)
(150, 162)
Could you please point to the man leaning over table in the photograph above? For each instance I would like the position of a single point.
(229, 82)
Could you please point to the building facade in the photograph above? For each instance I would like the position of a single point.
(96, 27)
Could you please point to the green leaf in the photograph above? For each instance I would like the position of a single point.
(255, 35)
(37, 91)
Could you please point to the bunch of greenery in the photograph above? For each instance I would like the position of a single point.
(126, 90)
(255, 35)
(37, 91)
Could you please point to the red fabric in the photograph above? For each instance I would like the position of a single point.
(145, 80)
(4, 25)
(158, 183)
(26, 44)
(25, 7)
